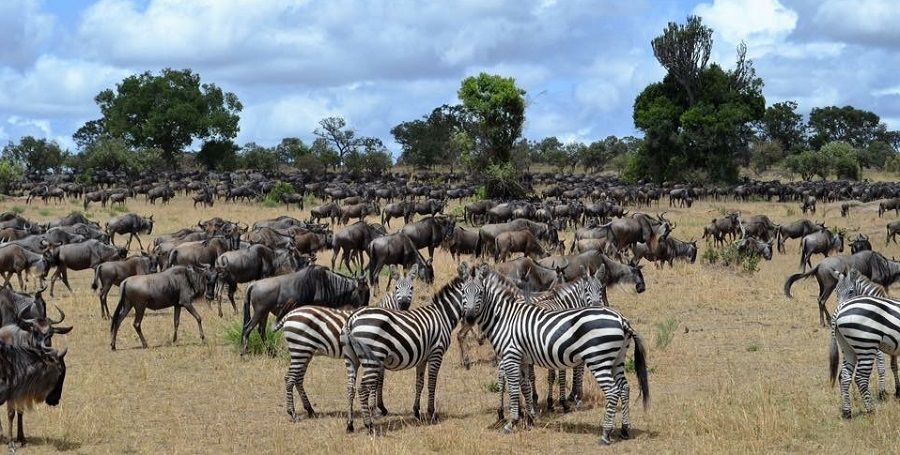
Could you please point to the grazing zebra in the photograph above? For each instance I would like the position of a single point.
(586, 291)
(865, 323)
(525, 334)
(312, 330)
(379, 339)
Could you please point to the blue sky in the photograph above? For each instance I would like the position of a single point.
(378, 63)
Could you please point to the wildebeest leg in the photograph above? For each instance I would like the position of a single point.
(21, 430)
(104, 293)
(21, 282)
(139, 241)
(824, 292)
(6, 277)
(64, 275)
(138, 317)
(130, 238)
(896, 376)
(232, 288)
(10, 413)
(190, 307)
(177, 318)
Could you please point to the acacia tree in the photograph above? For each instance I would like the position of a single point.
(166, 111)
(697, 120)
(335, 132)
(857, 127)
(427, 141)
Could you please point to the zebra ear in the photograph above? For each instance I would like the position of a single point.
(463, 270)
(413, 271)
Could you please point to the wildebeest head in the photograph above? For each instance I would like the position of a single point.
(427, 271)
(148, 225)
(692, 248)
(860, 243)
(42, 328)
(360, 296)
(211, 277)
(637, 277)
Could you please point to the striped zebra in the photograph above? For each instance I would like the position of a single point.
(586, 291)
(523, 335)
(312, 330)
(865, 323)
(379, 339)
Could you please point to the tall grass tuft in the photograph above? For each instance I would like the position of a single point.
(17, 209)
(256, 346)
(665, 332)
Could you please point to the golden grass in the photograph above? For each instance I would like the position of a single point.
(744, 372)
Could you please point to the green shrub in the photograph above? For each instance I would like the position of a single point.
(665, 332)
(730, 256)
(710, 254)
(481, 193)
(492, 387)
(44, 212)
(274, 196)
(255, 345)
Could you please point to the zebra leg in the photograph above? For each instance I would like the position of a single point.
(603, 375)
(562, 391)
(434, 367)
(625, 399)
(352, 368)
(303, 366)
(527, 392)
(863, 372)
(367, 393)
(461, 342)
(290, 381)
(896, 376)
(577, 384)
(882, 372)
(512, 369)
(532, 393)
(420, 384)
(378, 395)
(551, 378)
(501, 392)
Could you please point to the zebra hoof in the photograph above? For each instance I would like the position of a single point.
(508, 428)
(882, 395)
(845, 414)
(311, 414)
(625, 433)
(383, 410)
(417, 414)
(605, 439)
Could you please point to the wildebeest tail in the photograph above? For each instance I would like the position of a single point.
(94, 284)
(247, 306)
(797, 276)
(119, 314)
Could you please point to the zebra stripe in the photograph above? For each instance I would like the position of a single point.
(402, 296)
(523, 335)
(380, 339)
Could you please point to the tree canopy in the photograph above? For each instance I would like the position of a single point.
(166, 112)
(35, 155)
(497, 107)
(781, 122)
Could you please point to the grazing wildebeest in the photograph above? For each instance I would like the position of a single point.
(640, 227)
(282, 222)
(488, 233)
(474, 213)
(823, 242)
(870, 264)
(174, 287)
(131, 224)
(430, 207)
(70, 234)
(616, 272)
(402, 209)
(310, 243)
(120, 198)
(101, 196)
(522, 241)
(429, 232)
(759, 226)
(396, 249)
(531, 276)
(753, 245)
(313, 285)
(29, 375)
(796, 230)
(71, 220)
(330, 210)
(269, 237)
(205, 198)
(112, 273)
(246, 265)
(10, 233)
(15, 259)
(809, 204)
(292, 198)
(81, 256)
(460, 242)
(890, 204)
(201, 252)
(860, 243)
(358, 211)
(893, 228)
(603, 245)
(667, 251)
(718, 228)
(353, 241)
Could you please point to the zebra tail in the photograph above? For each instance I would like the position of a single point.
(640, 367)
(797, 276)
(354, 348)
(833, 358)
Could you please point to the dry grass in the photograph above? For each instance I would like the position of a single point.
(745, 371)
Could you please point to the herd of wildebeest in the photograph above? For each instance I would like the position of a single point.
(538, 301)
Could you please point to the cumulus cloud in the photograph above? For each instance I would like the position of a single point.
(866, 22)
(24, 30)
(762, 24)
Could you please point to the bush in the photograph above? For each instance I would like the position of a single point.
(10, 173)
(255, 345)
(502, 181)
(273, 199)
(893, 164)
(730, 256)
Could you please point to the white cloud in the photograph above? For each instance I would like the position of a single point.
(762, 24)
(24, 30)
(871, 22)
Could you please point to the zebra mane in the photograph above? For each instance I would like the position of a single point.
(854, 284)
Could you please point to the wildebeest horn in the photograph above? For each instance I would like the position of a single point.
(62, 316)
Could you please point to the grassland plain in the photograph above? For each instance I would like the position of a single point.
(744, 372)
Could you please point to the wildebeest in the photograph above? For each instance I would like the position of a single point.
(522, 241)
(488, 233)
(353, 241)
(312, 285)
(809, 204)
(131, 224)
(871, 264)
(531, 276)
(759, 226)
(429, 232)
(15, 259)
(269, 237)
(201, 252)
(823, 242)
(81, 256)
(616, 272)
(890, 204)
(292, 198)
(396, 249)
(893, 228)
(460, 242)
(205, 198)
(718, 228)
(174, 287)
(358, 211)
(310, 243)
(430, 207)
(667, 251)
(246, 265)
(796, 230)
(101, 196)
(474, 212)
(112, 273)
(753, 245)
(640, 227)
(860, 243)
(163, 192)
(330, 210)
(402, 209)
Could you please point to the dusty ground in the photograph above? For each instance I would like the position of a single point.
(746, 371)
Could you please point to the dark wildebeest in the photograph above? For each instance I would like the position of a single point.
(809, 204)
(81, 256)
(602, 245)
(358, 211)
(522, 241)
(871, 264)
(429, 232)
(759, 226)
(890, 204)
(667, 251)
(131, 224)
(718, 228)
(282, 222)
(474, 213)
(205, 198)
(353, 241)
(203, 252)
(101, 196)
(860, 243)
(488, 233)
(893, 228)
(330, 210)
(430, 207)
(796, 230)
(616, 272)
(71, 220)
(14, 259)
(822, 242)
(174, 287)
(530, 276)
(400, 209)
(396, 249)
(640, 227)
(310, 243)
(313, 285)
(753, 245)
(164, 192)
(292, 198)
(254, 263)
(269, 237)
(85, 231)
(460, 242)
(112, 273)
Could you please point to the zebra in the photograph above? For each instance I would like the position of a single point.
(865, 323)
(314, 330)
(525, 334)
(380, 339)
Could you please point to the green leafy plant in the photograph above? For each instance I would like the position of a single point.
(665, 332)
(255, 345)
